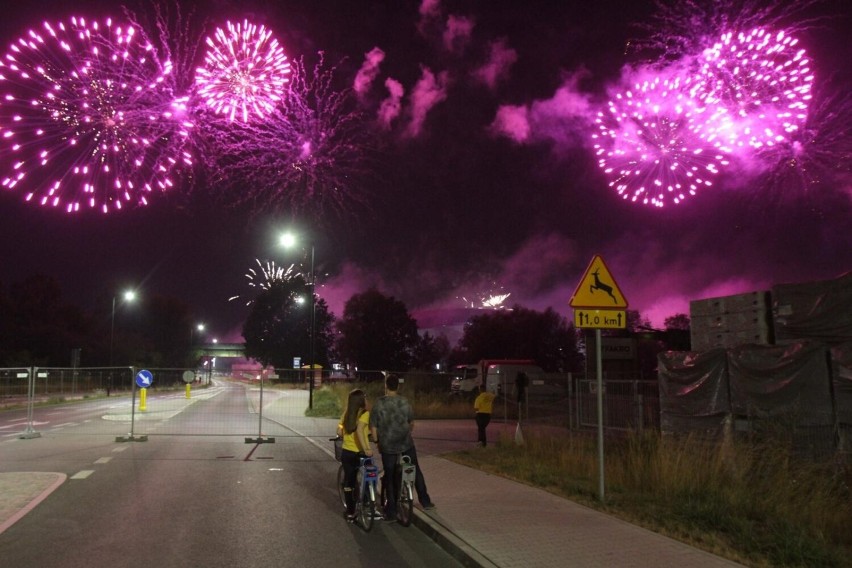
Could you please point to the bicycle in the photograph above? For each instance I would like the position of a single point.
(366, 486)
(404, 474)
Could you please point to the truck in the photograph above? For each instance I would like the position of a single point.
(499, 375)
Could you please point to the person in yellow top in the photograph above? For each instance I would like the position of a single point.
(354, 428)
(483, 405)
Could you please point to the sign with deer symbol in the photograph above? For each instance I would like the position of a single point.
(598, 289)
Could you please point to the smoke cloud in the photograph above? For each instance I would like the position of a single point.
(429, 90)
(368, 71)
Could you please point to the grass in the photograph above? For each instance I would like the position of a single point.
(757, 505)
(329, 401)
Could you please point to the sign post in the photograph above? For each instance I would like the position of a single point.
(188, 377)
(599, 304)
(145, 378)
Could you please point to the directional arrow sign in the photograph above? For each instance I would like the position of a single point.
(600, 319)
(144, 378)
(597, 289)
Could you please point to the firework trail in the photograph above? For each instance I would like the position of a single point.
(654, 145)
(244, 73)
(683, 29)
(818, 155)
(89, 117)
(309, 156)
(266, 275)
(761, 82)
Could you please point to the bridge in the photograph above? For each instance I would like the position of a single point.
(219, 350)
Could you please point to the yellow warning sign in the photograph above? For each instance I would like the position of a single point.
(598, 289)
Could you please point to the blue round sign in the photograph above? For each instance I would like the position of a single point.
(144, 378)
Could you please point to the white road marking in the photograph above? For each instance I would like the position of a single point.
(102, 460)
(119, 449)
(83, 474)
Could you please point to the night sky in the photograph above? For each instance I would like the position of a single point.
(452, 203)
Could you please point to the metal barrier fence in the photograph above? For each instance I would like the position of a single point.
(177, 402)
(255, 405)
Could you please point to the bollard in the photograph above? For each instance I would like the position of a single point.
(142, 400)
(187, 391)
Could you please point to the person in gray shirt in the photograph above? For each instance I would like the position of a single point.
(391, 423)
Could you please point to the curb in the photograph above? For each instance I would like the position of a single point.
(449, 541)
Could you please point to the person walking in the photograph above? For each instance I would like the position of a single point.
(483, 406)
(391, 423)
(354, 428)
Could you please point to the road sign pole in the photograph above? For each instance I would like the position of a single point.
(598, 361)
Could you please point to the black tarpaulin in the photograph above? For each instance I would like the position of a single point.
(693, 390)
(814, 310)
(841, 376)
(792, 380)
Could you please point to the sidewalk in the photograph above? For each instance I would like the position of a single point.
(485, 520)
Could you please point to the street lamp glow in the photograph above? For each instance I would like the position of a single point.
(129, 296)
(287, 240)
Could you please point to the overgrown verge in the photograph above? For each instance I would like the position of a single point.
(755, 504)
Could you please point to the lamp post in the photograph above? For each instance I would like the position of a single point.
(288, 240)
(128, 296)
(199, 327)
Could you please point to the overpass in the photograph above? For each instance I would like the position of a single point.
(234, 350)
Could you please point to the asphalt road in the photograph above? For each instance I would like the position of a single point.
(189, 495)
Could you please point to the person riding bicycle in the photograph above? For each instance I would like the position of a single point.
(391, 422)
(354, 428)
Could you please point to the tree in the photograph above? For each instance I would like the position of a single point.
(677, 335)
(376, 332)
(431, 351)
(521, 333)
(37, 327)
(278, 329)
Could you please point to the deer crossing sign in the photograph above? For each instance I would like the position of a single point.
(598, 289)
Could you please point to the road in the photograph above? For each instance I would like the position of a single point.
(191, 495)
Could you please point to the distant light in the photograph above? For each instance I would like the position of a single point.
(288, 240)
(129, 295)
(200, 327)
(215, 340)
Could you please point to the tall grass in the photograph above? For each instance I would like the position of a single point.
(330, 400)
(757, 504)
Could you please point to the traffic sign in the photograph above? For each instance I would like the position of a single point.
(188, 377)
(600, 319)
(598, 289)
(144, 379)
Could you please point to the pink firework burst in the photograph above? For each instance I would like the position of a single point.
(89, 117)
(761, 82)
(654, 145)
(244, 73)
(311, 156)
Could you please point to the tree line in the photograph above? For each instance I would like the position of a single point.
(374, 332)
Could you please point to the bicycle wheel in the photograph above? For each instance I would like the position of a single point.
(405, 504)
(341, 476)
(367, 507)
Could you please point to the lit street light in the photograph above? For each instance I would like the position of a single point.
(128, 296)
(288, 240)
(199, 327)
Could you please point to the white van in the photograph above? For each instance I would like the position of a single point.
(500, 375)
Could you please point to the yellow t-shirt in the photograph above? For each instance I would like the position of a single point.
(350, 439)
(484, 403)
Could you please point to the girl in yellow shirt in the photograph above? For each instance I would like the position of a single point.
(354, 428)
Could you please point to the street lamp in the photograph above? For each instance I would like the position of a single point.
(199, 327)
(128, 296)
(288, 240)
